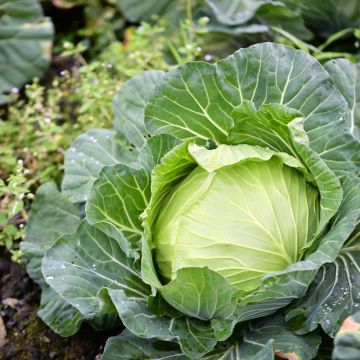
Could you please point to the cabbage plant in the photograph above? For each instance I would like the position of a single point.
(218, 220)
(303, 18)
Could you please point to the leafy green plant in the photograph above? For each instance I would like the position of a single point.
(302, 18)
(35, 133)
(218, 218)
(26, 43)
(251, 18)
(325, 17)
(310, 21)
(319, 52)
(13, 215)
(226, 24)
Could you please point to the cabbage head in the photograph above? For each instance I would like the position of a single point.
(218, 220)
(241, 220)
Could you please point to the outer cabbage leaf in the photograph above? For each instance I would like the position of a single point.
(346, 77)
(82, 266)
(196, 338)
(287, 344)
(153, 151)
(126, 346)
(223, 33)
(129, 105)
(333, 295)
(259, 341)
(26, 40)
(121, 193)
(195, 100)
(117, 199)
(86, 157)
(58, 314)
(52, 215)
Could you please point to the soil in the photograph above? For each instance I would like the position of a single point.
(28, 338)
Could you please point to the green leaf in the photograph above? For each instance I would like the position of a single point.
(278, 14)
(139, 319)
(188, 104)
(232, 12)
(281, 128)
(126, 346)
(219, 31)
(154, 149)
(121, 194)
(331, 193)
(333, 295)
(246, 350)
(343, 224)
(267, 126)
(137, 10)
(129, 104)
(81, 267)
(26, 40)
(52, 215)
(195, 100)
(84, 160)
(325, 17)
(346, 77)
(260, 341)
(265, 338)
(347, 340)
(174, 166)
(116, 200)
(59, 315)
(200, 293)
(287, 344)
(195, 337)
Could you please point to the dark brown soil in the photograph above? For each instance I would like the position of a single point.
(28, 338)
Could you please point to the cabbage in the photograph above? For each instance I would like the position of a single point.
(242, 220)
(225, 227)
